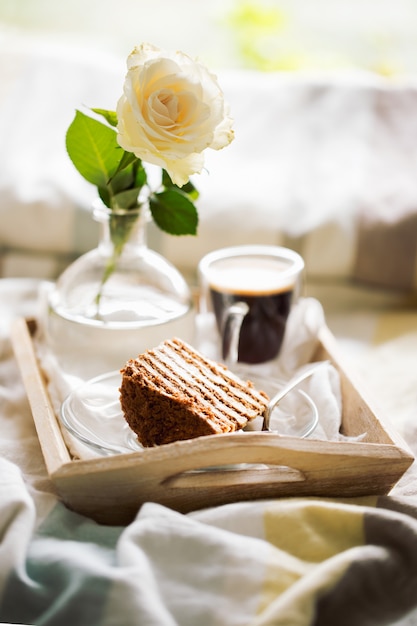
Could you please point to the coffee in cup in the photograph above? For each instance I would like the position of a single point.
(250, 290)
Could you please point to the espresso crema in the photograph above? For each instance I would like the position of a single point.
(267, 286)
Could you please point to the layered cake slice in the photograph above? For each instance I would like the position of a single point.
(173, 392)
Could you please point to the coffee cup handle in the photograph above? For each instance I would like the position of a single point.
(232, 324)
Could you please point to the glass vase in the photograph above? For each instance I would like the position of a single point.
(117, 300)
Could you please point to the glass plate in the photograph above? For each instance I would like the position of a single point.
(92, 413)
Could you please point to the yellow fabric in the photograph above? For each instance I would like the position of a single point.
(308, 540)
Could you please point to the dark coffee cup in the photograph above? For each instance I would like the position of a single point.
(250, 290)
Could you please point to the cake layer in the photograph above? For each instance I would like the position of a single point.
(173, 392)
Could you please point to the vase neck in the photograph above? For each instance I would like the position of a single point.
(121, 230)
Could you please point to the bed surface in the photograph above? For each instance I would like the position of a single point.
(278, 561)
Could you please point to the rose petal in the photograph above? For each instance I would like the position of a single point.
(171, 110)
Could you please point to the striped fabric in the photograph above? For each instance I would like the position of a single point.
(287, 562)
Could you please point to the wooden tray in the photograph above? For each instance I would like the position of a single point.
(111, 489)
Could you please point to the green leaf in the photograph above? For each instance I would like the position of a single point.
(109, 116)
(127, 159)
(188, 188)
(93, 149)
(174, 213)
(129, 175)
(141, 177)
(123, 179)
(166, 180)
(127, 199)
(103, 192)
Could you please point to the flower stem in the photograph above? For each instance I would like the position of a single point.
(121, 225)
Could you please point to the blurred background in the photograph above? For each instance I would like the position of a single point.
(376, 35)
(324, 96)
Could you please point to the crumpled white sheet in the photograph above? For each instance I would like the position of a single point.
(304, 561)
(263, 562)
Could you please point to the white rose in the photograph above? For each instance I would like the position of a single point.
(171, 110)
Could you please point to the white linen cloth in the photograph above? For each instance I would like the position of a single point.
(304, 561)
